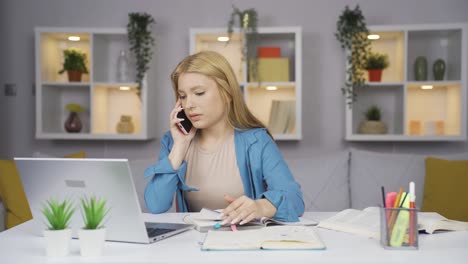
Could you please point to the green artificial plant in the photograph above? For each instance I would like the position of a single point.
(248, 25)
(93, 211)
(373, 113)
(352, 34)
(74, 60)
(58, 214)
(141, 40)
(376, 61)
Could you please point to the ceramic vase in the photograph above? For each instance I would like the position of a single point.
(420, 69)
(438, 69)
(73, 123)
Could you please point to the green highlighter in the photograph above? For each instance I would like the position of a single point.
(401, 226)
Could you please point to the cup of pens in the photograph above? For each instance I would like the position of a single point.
(399, 228)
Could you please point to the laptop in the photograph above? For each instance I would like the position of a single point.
(110, 179)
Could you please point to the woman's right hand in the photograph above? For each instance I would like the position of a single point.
(181, 141)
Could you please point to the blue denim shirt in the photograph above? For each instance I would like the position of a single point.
(264, 174)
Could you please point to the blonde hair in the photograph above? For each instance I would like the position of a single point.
(216, 67)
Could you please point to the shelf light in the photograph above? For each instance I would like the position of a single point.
(223, 39)
(74, 38)
(124, 88)
(373, 36)
(426, 87)
(272, 88)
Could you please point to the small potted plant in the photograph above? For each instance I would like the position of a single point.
(58, 234)
(372, 124)
(248, 23)
(74, 64)
(93, 234)
(73, 123)
(375, 64)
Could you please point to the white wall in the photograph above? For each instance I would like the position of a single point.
(323, 62)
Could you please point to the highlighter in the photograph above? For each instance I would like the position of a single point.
(401, 224)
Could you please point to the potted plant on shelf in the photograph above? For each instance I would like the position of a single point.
(74, 64)
(73, 123)
(247, 22)
(93, 234)
(58, 234)
(140, 38)
(352, 34)
(375, 64)
(372, 124)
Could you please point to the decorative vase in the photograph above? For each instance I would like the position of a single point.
(73, 123)
(420, 69)
(74, 76)
(122, 67)
(375, 75)
(91, 241)
(438, 69)
(57, 242)
(372, 127)
(125, 125)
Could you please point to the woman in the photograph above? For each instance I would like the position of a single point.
(228, 155)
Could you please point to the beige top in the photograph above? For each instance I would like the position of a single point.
(215, 173)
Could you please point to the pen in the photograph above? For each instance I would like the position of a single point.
(234, 228)
(412, 207)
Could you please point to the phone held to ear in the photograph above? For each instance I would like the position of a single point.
(184, 126)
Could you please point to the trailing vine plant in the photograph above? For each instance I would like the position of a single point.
(352, 34)
(248, 23)
(140, 38)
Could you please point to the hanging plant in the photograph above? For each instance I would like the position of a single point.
(247, 22)
(352, 34)
(141, 42)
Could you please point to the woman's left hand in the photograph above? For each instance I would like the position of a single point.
(243, 209)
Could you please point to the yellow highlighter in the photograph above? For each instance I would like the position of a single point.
(401, 224)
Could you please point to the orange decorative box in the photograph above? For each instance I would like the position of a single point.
(268, 52)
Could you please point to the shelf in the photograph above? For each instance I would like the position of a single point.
(391, 43)
(413, 110)
(425, 108)
(103, 98)
(263, 102)
(435, 44)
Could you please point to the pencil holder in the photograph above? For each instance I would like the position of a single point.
(399, 228)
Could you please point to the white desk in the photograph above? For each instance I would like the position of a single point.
(18, 246)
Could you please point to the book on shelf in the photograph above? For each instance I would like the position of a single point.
(271, 238)
(282, 117)
(367, 222)
(206, 220)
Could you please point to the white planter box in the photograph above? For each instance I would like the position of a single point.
(92, 241)
(57, 242)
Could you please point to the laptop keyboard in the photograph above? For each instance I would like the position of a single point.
(152, 232)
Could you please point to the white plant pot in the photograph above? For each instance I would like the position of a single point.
(57, 242)
(91, 241)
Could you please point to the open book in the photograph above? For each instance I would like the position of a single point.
(206, 219)
(367, 222)
(274, 237)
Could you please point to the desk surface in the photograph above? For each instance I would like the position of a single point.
(17, 245)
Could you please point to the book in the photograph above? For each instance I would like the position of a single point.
(206, 219)
(431, 222)
(367, 222)
(272, 238)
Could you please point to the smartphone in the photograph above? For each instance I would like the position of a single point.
(184, 126)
